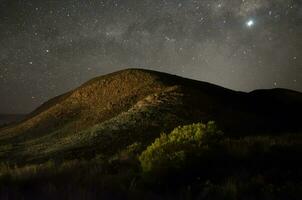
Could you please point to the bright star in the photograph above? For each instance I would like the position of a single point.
(250, 23)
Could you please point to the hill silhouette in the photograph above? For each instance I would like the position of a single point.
(107, 113)
(6, 119)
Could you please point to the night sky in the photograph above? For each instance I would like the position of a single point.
(49, 47)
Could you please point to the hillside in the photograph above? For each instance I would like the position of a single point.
(110, 112)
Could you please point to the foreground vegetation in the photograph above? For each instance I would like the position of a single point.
(192, 162)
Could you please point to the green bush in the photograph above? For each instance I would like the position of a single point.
(170, 151)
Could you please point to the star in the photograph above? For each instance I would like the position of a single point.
(250, 23)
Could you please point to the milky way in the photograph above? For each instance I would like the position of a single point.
(49, 47)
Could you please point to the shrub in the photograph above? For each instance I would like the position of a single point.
(170, 151)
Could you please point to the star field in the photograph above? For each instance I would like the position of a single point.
(49, 47)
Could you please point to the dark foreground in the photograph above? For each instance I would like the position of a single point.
(193, 162)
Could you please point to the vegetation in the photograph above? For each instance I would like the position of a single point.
(170, 151)
(192, 162)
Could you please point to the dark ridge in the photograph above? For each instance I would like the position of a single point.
(10, 119)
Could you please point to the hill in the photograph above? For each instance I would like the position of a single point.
(136, 134)
(110, 112)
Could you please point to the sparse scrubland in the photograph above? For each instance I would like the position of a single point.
(195, 161)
